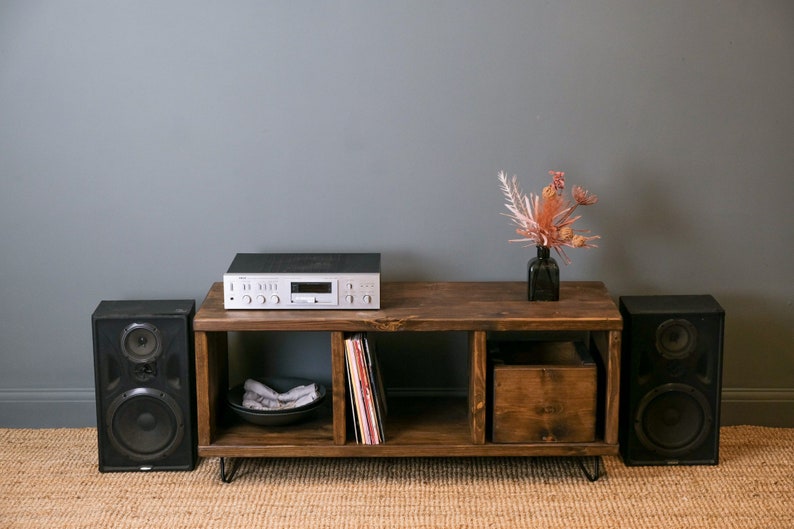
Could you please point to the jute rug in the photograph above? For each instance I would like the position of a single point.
(49, 478)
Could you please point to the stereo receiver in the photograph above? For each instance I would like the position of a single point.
(303, 281)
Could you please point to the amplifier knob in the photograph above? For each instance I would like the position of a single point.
(274, 299)
(246, 299)
(367, 298)
(349, 299)
(260, 299)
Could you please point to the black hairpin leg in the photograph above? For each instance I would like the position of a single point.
(227, 477)
(591, 476)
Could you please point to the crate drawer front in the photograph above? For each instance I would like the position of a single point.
(544, 403)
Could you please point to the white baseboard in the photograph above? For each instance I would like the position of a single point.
(67, 407)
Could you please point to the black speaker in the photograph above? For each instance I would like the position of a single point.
(671, 380)
(144, 381)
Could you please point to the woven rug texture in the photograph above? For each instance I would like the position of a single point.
(49, 478)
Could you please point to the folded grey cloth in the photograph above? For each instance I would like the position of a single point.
(258, 396)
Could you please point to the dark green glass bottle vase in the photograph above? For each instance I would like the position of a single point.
(543, 277)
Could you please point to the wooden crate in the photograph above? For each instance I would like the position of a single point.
(543, 392)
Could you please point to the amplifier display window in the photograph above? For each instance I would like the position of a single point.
(312, 288)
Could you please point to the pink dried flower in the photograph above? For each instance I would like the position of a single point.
(557, 181)
(547, 220)
(583, 197)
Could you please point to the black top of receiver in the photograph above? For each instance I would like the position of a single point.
(306, 263)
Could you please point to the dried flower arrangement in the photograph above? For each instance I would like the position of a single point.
(547, 220)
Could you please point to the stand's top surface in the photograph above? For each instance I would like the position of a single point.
(433, 306)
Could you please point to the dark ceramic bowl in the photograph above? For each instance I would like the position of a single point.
(234, 398)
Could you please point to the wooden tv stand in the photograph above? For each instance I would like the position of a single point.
(423, 427)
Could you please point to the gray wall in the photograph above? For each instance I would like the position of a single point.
(143, 144)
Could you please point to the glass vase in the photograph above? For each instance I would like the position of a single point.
(543, 277)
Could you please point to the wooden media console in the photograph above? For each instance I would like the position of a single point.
(416, 426)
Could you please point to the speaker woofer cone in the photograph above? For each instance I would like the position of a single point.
(673, 419)
(676, 339)
(141, 342)
(145, 424)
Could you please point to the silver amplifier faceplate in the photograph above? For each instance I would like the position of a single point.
(303, 281)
